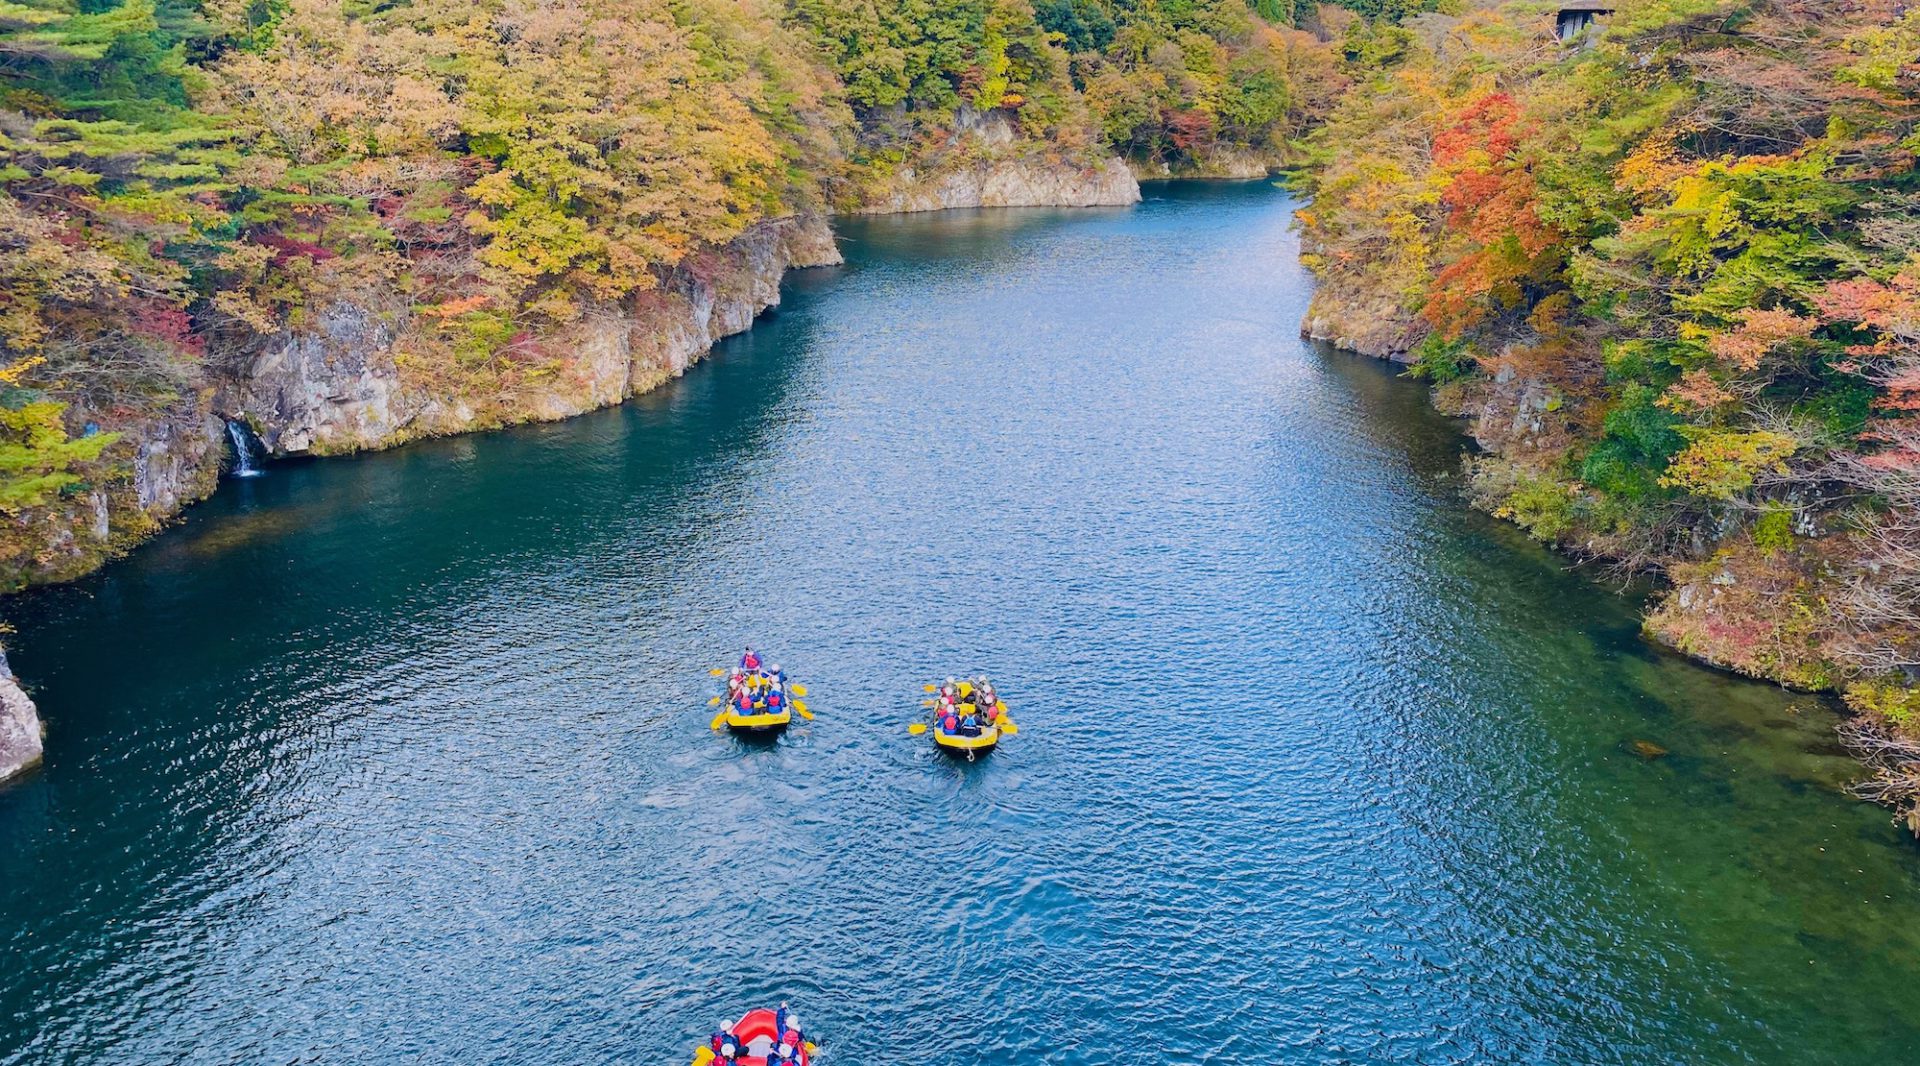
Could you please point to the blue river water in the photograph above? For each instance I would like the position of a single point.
(405, 757)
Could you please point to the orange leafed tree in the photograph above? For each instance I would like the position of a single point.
(1492, 203)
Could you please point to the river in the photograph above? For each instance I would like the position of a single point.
(405, 757)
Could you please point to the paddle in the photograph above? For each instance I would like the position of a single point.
(798, 689)
(716, 671)
(802, 708)
(719, 718)
(917, 728)
(714, 702)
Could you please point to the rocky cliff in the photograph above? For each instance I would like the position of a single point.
(20, 729)
(1371, 323)
(986, 163)
(1235, 164)
(339, 385)
(1008, 182)
(157, 467)
(336, 385)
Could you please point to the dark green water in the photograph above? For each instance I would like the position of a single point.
(405, 757)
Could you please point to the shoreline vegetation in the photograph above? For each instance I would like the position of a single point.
(347, 226)
(1668, 271)
(1665, 264)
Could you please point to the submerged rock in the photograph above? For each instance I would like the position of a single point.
(1647, 749)
(20, 728)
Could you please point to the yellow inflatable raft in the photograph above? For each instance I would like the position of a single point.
(981, 741)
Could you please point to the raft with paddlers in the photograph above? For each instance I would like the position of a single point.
(762, 1038)
(966, 717)
(759, 700)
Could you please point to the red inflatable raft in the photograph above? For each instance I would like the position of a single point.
(758, 1037)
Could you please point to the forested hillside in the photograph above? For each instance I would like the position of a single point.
(1181, 85)
(189, 182)
(1669, 268)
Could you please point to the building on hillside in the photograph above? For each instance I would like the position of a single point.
(1577, 17)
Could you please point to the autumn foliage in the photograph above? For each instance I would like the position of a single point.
(1677, 260)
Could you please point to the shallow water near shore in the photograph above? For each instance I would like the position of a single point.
(405, 757)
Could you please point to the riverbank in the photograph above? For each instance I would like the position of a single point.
(1723, 604)
(1652, 382)
(340, 383)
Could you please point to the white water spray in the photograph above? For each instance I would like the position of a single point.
(243, 464)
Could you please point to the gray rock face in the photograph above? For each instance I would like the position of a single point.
(1370, 324)
(1223, 163)
(176, 463)
(175, 460)
(20, 730)
(1009, 182)
(336, 383)
(986, 167)
(336, 386)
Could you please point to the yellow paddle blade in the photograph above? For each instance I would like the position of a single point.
(917, 728)
(716, 671)
(1000, 705)
(927, 703)
(798, 689)
(1009, 728)
(715, 724)
(929, 688)
(811, 1046)
(705, 1055)
(714, 702)
(802, 708)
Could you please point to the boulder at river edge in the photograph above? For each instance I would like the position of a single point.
(20, 729)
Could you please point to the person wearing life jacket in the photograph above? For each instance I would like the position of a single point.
(777, 675)
(725, 1047)
(787, 1023)
(949, 721)
(744, 701)
(749, 660)
(775, 698)
(989, 705)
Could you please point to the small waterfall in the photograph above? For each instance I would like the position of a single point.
(242, 438)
